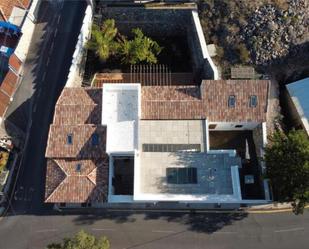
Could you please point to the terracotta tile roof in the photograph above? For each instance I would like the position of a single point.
(80, 96)
(4, 102)
(9, 83)
(64, 183)
(78, 114)
(81, 147)
(6, 6)
(209, 101)
(216, 94)
(15, 62)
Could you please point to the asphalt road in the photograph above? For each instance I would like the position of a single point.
(162, 230)
(46, 72)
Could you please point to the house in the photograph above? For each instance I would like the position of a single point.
(77, 162)
(153, 143)
(298, 103)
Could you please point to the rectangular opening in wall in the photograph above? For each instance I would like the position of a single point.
(212, 126)
(238, 126)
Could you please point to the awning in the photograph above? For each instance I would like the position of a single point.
(10, 26)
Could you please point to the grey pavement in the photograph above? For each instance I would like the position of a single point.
(162, 230)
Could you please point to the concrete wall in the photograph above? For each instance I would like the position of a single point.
(77, 67)
(203, 63)
(153, 21)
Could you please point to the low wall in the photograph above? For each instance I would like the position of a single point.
(153, 21)
(203, 62)
(77, 67)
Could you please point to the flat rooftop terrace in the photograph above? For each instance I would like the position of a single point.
(172, 164)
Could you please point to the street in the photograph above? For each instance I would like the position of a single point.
(161, 230)
(46, 71)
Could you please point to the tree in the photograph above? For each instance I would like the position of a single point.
(103, 41)
(287, 167)
(82, 240)
(140, 49)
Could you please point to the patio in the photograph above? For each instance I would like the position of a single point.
(242, 142)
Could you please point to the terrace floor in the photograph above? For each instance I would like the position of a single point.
(242, 142)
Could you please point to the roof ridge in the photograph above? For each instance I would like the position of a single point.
(55, 190)
(90, 178)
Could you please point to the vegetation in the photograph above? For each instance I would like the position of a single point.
(82, 240)
(103, 40)
(139, 49)
(4, 157)
(106, 41)
(287, 160)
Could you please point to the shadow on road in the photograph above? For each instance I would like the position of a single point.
(197, 222)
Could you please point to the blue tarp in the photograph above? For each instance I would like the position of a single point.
(10, 26)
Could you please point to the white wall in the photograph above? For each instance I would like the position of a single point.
(74, 78)
(229, 126)
(203, 44)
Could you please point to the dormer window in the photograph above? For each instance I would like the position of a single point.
(253, 101)
(95, 139)
(70, 139)
(232, 101)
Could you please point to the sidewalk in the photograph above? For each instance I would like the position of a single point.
(179, 207)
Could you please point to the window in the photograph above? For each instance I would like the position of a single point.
(181, 175)
(238, 126)
(70, 139)
(95, 139)
(232, 101)
(253, 101)
(78, 167)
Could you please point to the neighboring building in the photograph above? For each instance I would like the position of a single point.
(159, 142)
(17, 19)
(298, 103)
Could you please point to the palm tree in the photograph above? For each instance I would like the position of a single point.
(103, 41)
(140, 49)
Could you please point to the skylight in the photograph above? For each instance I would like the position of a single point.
(232, 101)
(70, 139)
(78, 167)
(253, 101)
(95, 139)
